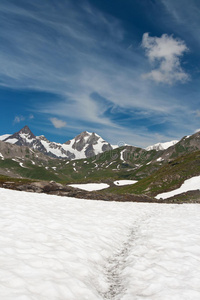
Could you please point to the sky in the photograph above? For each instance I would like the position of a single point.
(128, 70)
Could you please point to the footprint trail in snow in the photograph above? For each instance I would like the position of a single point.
(114, 269)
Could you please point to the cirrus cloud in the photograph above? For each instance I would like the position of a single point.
(18, 119)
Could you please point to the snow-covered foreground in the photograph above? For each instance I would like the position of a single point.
(188, 185)
(62, 248)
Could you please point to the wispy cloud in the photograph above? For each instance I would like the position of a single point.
(184, 18)
(58, 123)
(21, 118)
(74, 51)
(31, 117)
(18, 119)
(167, 52)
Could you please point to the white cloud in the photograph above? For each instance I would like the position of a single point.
(58, 123)
(18, 119)
(165, 51)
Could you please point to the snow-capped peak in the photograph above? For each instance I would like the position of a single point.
(25, 137)
(161, 146)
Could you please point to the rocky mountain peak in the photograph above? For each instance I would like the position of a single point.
(25, 137)
(26, 132)
(25, 129)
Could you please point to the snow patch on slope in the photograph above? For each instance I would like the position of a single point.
(115, 146)
(90, 186)
(188, 185)
(12, 141)
(121, 155)
(124, 182)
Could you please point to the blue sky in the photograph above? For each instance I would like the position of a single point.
(128, 70)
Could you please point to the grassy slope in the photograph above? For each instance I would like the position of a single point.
(154, 177)
(170, 176)
(108, 165)
(29, 170)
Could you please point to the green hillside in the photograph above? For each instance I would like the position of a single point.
(170, 176)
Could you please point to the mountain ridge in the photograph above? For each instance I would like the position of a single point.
(84, 145)
(107, 146)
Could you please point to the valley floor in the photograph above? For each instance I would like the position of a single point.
(70, 249)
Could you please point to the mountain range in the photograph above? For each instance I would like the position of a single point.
(84, 145)
(88, 158)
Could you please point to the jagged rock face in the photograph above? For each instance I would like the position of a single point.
(89, 152)
(80, 141)
(106, 147)
(89, 144)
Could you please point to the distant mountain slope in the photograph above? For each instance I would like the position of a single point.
(187, 144)
(161, 146)
(9, 151)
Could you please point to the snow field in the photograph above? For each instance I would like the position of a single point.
(56, 248)
(70, 249)
(164, 262)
